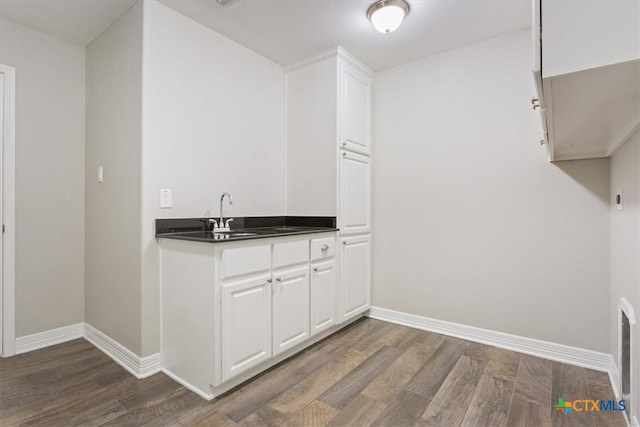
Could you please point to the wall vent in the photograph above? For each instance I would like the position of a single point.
(625, 356)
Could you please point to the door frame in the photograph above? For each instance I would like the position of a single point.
(8, 344)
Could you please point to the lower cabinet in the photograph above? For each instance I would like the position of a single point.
(246, 324)
(355, 276)
(290, 308)
(324, 288)
(233, 309)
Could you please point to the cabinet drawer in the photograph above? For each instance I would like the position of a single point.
(323, 248)
(237, 261)
(288, 253)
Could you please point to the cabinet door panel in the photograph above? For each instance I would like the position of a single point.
(354, 116)
(355, 276)
(246, 324)
(355, 193)
(290, 308)
(323, 296)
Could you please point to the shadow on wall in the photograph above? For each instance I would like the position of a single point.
(592, 174)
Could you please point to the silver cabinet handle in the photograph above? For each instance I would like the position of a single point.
(278, 279)
(344, 242)
(269, 280)
(324, 247)
(344, 143)
(535, 103)
(315, 268)
(344, 154)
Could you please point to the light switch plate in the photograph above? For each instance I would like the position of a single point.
(100, 173)
(619, 199)
(165, 198)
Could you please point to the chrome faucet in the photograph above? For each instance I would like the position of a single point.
(221, 224)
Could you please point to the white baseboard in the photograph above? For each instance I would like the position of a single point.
(140, 367)
(186, 384)
(544, 349)
(614, 377)
(49, 338)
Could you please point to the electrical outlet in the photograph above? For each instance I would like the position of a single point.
(165, 198)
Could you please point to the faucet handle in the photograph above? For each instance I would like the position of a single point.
(215, 223)
(228, 221)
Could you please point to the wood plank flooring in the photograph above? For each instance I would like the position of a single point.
(371, 373)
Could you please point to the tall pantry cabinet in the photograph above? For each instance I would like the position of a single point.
(329, 162)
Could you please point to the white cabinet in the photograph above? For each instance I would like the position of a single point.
(355, 109)
(290, 307)
(230, 310)
(355, 193)
(586, 65)
(355, 272)
(323, 295)
(246, 324)
(267, 313)
(324, 284)
(583, 34)
(328, 108)
(329, 173)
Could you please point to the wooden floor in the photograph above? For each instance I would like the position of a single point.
(372, 373)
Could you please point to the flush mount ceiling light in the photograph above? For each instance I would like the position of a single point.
(387, 15)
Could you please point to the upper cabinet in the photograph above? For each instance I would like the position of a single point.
(328, 109)
(355, 108)
(586, 64)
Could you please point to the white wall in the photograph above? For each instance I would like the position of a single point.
(113, 207)
(50, 78)
(213, 121)
(471, 224)
(625, 244)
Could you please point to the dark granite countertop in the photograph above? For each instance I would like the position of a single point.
(242, 228)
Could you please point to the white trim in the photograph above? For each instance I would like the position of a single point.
(635, 422)
(140, 367)
(544, 349)
(49, 338)
(8, 345)
(325, 54)
(614, 377)
(186, 384)
(334, 52)
(342, 53)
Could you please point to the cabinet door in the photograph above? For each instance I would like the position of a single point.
(290, 308)
(355, 276)
(355, 193)
(323, 296)
(246, 324)
(354, 109)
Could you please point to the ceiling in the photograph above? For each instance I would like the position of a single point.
(286, 31)
(76, 21)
